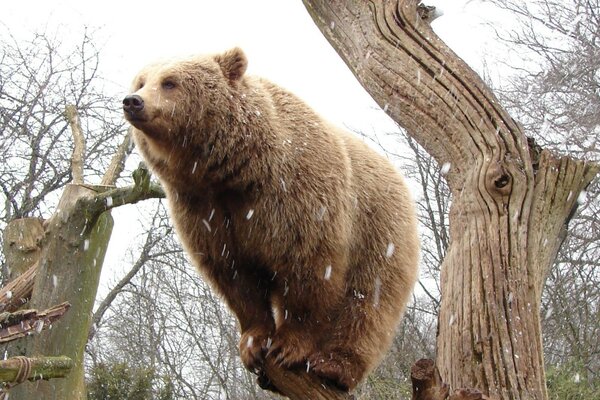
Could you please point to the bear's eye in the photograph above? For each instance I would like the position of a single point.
(168, 84)
(140, 85)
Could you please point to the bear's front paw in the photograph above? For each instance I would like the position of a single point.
(342, 369)
(253, 346)
(290, 347)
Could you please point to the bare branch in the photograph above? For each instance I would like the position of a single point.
(77, 160)
(117, 163)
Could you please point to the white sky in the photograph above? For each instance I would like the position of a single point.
(280, 39)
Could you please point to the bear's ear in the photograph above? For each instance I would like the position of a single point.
(233, 63)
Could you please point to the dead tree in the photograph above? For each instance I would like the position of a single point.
(510, 198)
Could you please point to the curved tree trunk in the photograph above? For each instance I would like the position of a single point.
(510, 199)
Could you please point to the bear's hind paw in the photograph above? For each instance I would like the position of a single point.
(343, 371)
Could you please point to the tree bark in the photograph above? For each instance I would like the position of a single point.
(70, 266)
(510, 200)
(22, 244)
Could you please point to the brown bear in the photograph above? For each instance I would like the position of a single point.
(308, 235)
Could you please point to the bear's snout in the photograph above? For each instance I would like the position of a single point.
(133, 105)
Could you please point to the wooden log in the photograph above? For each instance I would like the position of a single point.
(40, 368)
(428, 385)
(27, 322)
(18, 291)
(299, 384)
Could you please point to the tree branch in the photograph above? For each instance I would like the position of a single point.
(18, 291)
(144, 256)
(26, 322)
(41, 368)
(117, 164)
(79, 143)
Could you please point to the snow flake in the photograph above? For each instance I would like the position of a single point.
(390, 250)
(377, 292)
(327, 272)
(582, 198)
(445, 168)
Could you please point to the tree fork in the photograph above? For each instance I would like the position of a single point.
(505, 218)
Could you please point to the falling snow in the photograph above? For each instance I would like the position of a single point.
(9, 294)
(390, 250)
(328, 272)
(109, 201)
(321, 213)
(250, 341)
(445, 168)
(86, 244)
(207, 225)
(250, 214)
(582, 198)
(376, 292)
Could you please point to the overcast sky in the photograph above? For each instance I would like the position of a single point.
(279, 37)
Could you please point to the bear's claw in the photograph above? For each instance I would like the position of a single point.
(253, 347)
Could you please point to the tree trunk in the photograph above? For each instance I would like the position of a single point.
(510, 200)
(70, 266)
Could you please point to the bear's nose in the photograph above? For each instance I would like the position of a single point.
(133, 104)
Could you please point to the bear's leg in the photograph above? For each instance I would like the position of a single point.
(305, 302)
(353, 345)
(247, 293)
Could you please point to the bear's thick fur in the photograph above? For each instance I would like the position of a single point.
(309, 235)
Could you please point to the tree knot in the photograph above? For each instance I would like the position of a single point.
(498, 180)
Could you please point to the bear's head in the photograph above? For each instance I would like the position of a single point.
(169, 101)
